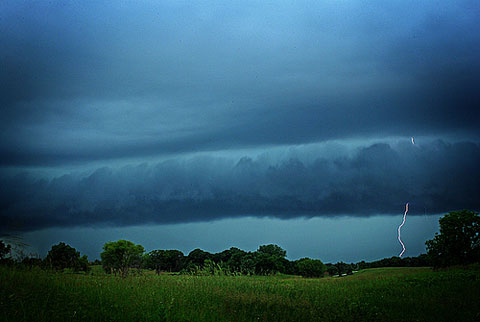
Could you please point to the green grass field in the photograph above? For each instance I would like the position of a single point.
(385, 294)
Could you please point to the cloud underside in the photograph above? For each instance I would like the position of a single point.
(94, 81)
(377, 179)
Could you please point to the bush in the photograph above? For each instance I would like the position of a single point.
(311, 267)
(63, 256)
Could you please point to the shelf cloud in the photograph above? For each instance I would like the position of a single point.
(368, 180)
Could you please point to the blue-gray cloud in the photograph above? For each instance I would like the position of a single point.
(376, 179)
(89, 81)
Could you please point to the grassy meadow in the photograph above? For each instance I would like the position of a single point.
(382, 294)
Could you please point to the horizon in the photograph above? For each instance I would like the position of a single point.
(423, 227)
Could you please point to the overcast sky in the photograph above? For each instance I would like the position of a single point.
(117, 115)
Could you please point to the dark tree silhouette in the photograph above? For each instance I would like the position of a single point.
(166, 260)
(198, 256)
(308, 267)
(459, 240)
(62, 256)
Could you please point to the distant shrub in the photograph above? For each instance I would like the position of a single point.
(310, 267)
(63, 256)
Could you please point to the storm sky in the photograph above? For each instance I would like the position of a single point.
(180, 115)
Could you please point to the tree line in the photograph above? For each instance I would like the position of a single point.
(457, 243)
(122, 256)
(118, 257)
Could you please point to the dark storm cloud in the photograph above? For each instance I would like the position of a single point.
(85, 81)
(435, 177)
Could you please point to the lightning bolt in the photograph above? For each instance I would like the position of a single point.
(399, 227)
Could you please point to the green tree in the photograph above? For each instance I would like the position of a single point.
(198, 256)
(83, 264)
(289, 267)
(269, 259)
(458, 242)
(97, 262)
(247, 263)
(311, 267)
(166, 260)
(342, 268)
(62, 256)
(235, 259)
(32, 261)
(273, 250)
(332, 270)
(120, 256)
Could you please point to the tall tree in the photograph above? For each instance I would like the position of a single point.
(458, 241)
(119, 256)
(269, 259)
(62, 256)
(235, 258)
